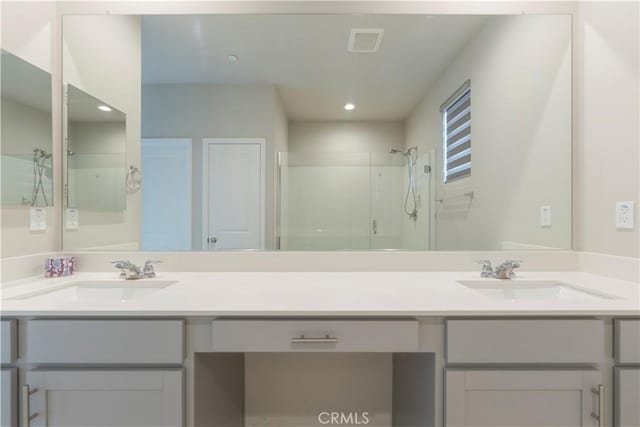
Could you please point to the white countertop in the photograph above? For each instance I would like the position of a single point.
(323, 294)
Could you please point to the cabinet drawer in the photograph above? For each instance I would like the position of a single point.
(9, 337)
(315, 335)
(525, 341)
(105, 341)
(627, 341)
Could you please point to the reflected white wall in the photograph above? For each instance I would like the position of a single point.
(102, 56)
(520, 72)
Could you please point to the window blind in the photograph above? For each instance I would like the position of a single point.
(456, 123)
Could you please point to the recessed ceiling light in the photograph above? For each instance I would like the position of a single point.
(104, 108)
(349, 106)
(232, 58)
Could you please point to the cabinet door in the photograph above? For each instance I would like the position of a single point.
(92, 398)
(9, 392)
(518, 398)
(627, 397)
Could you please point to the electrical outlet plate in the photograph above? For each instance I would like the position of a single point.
(37, 219)
(545, 216)
(72, 219)
(625, 215)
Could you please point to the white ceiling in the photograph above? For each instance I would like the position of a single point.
(83, 107)
(306, 58)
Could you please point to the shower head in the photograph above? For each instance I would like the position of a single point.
(39, 152)
(404, 153)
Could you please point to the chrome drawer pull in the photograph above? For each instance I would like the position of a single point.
(600, 415)
(314, 340)
(26, 405)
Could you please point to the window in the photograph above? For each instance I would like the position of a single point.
(456, 134)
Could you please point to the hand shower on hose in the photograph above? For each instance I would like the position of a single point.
(411, 155)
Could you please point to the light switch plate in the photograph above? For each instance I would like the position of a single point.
(545, 216)
(37, 219)
(625, 215)
(72, 219)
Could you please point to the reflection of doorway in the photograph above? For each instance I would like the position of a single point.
(166, 194)
(234, 193)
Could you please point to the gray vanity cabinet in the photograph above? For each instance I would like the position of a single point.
(627, 397)
(9, 393)
(519, 398)
(115, 398)
(81, 380)
(503, 372)
(626, 375)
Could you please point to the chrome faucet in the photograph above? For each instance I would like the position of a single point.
(506, 270)
(130, 271)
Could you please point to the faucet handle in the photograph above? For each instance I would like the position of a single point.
(150, 262)
(121, 263)
(148, 269)
(487, 268)
(513, 262)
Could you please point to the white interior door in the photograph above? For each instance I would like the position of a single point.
(166, 194)
(234, 193)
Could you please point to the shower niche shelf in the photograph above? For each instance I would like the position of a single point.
(301, 389)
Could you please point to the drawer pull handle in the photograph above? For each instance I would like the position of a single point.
(26, 405)
(600, 415)
(314, 340)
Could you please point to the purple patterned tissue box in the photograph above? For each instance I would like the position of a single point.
(58, 267)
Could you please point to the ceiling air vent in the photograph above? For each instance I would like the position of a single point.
(365, 40)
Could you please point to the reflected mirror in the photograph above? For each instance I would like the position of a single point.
(26, 134)
(335, 132)
(95, 154)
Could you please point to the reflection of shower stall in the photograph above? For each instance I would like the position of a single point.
(27, 178)
(96, 181)
(354, 201)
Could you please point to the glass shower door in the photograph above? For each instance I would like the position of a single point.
(387, 185)
(324, 201)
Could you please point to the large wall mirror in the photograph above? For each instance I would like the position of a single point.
(26, 133)
(332, 132)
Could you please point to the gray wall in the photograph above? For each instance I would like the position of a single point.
(200, 111)
(346, 136)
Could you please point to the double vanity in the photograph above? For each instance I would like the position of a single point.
(321, 348)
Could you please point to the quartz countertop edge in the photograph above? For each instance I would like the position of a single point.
(322, 294)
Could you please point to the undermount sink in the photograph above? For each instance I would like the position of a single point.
(533, 290)
(98, 291)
